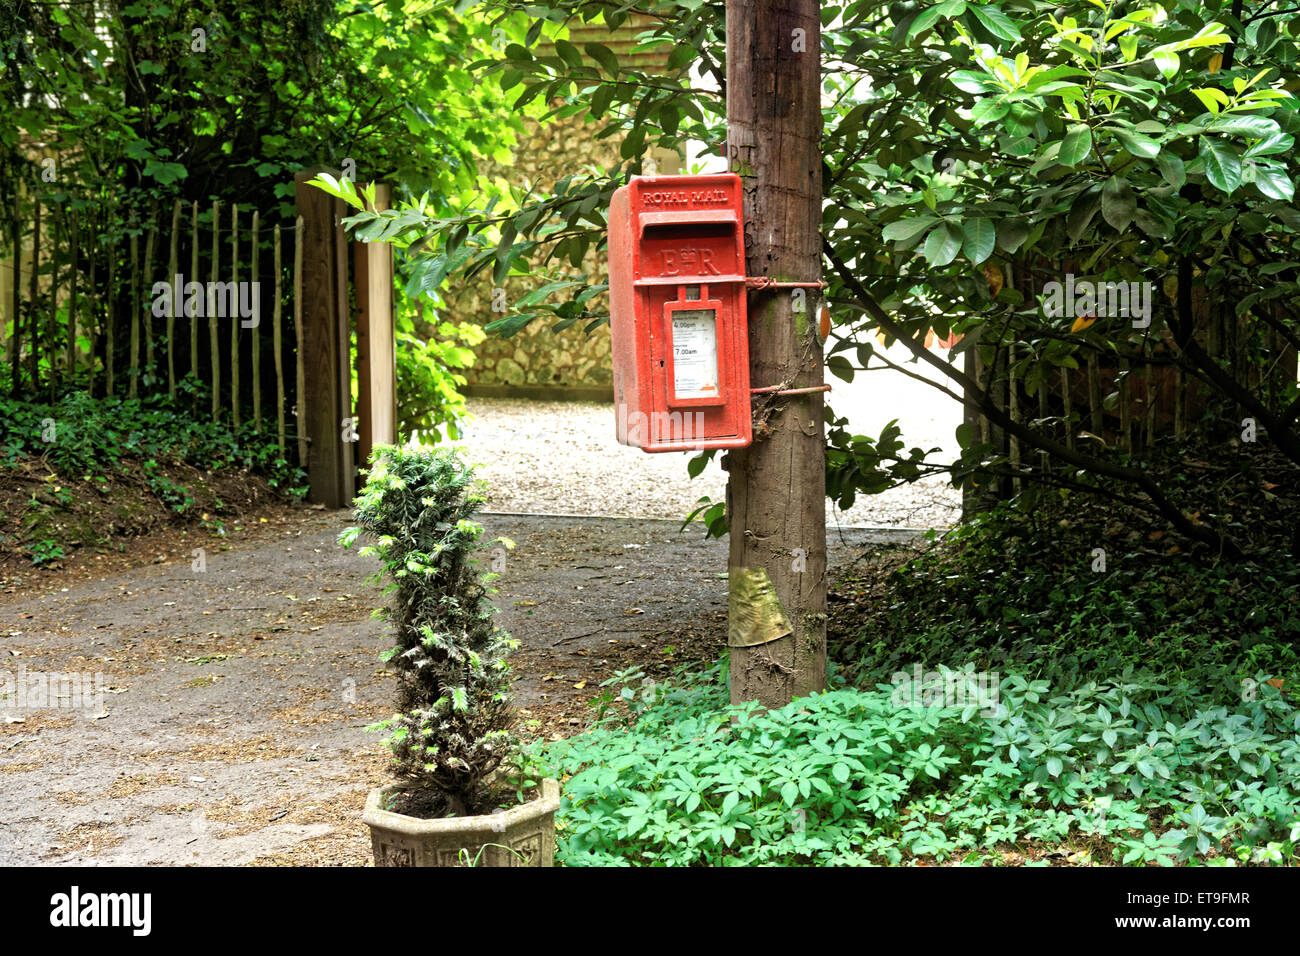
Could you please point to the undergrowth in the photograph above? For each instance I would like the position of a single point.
(1127, 771)
(81, 436)
(1062, 595)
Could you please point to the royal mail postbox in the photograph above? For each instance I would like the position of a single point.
(677, 313)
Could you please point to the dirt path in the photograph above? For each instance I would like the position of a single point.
(235, 698)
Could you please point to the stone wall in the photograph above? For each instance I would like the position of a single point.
(537, 362)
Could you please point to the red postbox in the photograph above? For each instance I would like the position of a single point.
(677, 313)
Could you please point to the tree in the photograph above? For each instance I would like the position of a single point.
(974, 153)
(776, 488)
(144, 103)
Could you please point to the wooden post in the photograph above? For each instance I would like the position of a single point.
(234, 317)
(144, 305)
(777, 486)
(173, 264)
(324, 402)
(972, 498)
(133, 370)
(1152, 386)
(256, 329)
(376, 340)
(70, 358)
(1180, 401)
(1044, 410)
(343, 371)
(194, 277)
(1095, 411)
(300, 379)
(361, 289)
(1067, 400)
(214, 343)
(1125, 406)
(1013, 410)
(16, 296)
(276, 348)
(92, 311)
(110, 317)
(52, 315)
(33, 290)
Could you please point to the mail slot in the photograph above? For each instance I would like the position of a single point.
(677, 313)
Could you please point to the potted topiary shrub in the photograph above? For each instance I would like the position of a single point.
(454, 801)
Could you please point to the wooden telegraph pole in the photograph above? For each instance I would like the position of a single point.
(777, 487)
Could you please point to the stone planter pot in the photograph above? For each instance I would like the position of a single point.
(521, 836)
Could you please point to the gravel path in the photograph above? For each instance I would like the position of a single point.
(562, 458)
(234, 701)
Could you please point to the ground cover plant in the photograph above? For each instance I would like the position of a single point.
(1127, 771)
(1062, 589)
(81, 470)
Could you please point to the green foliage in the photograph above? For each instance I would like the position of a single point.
(95, 437)
(1134, 143)
(46, 550)
(1016, 589)
(429, 360)
(136, 98)
(453, 730)
(1127, 771)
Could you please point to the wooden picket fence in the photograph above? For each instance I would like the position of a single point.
(1129, 403)
(79, 307)
(84, 304)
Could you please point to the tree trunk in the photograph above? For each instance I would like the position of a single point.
(777, 487)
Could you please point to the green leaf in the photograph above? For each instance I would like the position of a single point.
(978, 237)
(929, 17)
(1256, 127)
(906, 231)
(1171, 168)
(1076, 146)
(969, 81)
(988, 111)
(1136, 143)
(1118, 203)
(1012, 234)
(1222, 164)
(1166, 62)
(604, 56)
(1274, 183)
(942, 244)
(996, 22)
(1212, 99)
(569, 53)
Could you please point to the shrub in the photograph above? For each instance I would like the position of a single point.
(1130, 771)
(453, 729)
(1018, 589)
(91, 436)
